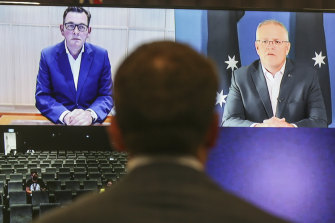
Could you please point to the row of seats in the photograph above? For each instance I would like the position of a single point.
(67, 174)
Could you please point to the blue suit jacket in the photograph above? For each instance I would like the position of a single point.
(300, 99)
(55, 89)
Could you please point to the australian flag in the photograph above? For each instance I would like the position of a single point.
(310, 48)
(223, 49)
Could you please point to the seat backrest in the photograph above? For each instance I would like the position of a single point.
(50, 169)
(45, 207)
(64, 176)
(1, 213)
(39, 197)
(73, 185)
(14, 186)
(90, 184)
(53, 185)
(18, 166)
(2, 187)
(81, 176)
(6, 171)
(63, 196)
(21, 170)
(112, 176)
(64, 169)
(48, 176)
(21, 213)
(95, 176)
(45, 165)
(79, 169)
(17, 197)
(16, 177)
(3, 177)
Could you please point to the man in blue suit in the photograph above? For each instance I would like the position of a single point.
(74, 82)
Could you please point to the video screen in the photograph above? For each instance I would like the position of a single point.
(228, 37)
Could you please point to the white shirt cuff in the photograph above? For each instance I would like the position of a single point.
(93, 114)
(61, 117)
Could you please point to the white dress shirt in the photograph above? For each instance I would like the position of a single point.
(273, 82)
(75, 68)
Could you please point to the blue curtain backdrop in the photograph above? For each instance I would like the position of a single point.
(192, 28)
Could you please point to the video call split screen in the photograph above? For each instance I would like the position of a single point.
(226, 36)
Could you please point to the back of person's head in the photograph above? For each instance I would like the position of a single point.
(164, 99)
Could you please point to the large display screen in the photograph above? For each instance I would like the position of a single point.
(287, 172)
(226, 36)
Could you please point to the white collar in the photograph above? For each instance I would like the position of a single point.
(281, 71)
(68, 52)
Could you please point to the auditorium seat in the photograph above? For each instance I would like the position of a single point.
(44, 165)
(90, 184)
(24, 162)
(48, 176)
(2, 187)
(56, 165)
(46, 161)
(95, 176)
(32, 165)
(69, 161)
(92, 169)
(3, 177)
(16, 166)
(53, 185)
(64, 169)
(22, 170)
(82, 192)
(79, 169)
(73, 185)
(45, 207)
(39, 197)
(1, 214)
(51, 169)
(105, 165)
(17, 197)
(69, 165)
(16, 177)
(63, 176)
(81, 176)
(106, 170)
(21, 213)
(63, 196)
(14, 186)
(81, 165)
(6, 166)
(6, 171)
(103, 161)
(112, 176)
(80, 161)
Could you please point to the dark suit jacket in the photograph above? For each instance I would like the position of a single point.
(300, 99)
(161, 193)
(55, 89)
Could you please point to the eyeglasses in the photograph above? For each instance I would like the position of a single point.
(274, 42)
(72, 26)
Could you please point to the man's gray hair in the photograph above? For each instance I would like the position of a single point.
(271, 21)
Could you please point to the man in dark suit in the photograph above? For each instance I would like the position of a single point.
(164, 99)
(273, 91)
(74, 81)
